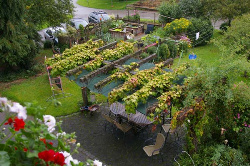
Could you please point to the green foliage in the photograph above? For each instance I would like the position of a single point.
(163, 52)
(215, 155)
(173, 48)
(49, 12)
(117, 24)
(47, 44)
(205, 29)
(225, 9)
(169, 11)
(18, 42)
(236, 40)
(144, 55)
(177, 26)
(133, 17)
(191, 8)
(151, 50)
(224, 26)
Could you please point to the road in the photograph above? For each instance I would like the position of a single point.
(83, 12)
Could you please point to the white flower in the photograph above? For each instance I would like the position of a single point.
(97, 163)
(60, 134)
(69, 158)
(3, 101)
(19, 109)
(50, 121)
(188, 121)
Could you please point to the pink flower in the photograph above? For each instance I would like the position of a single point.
(238, 115)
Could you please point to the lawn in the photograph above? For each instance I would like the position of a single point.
(106, 4)
(37, 89)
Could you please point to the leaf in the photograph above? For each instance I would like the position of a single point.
(4, 158)
(32, 154)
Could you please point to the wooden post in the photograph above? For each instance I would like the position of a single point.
(84, 96)
(154, 18)
(128, 15)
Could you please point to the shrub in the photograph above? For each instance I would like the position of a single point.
(168, 11)
(151, 50)
(205, 29)
(215, 155)
(173, 48)
(178, 26)
(144, 55)
(47, 44)
(224, 26)
(163, 52)
(191, 8)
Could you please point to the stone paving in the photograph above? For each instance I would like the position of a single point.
(112, 147)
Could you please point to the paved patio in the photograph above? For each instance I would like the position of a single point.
(111, 146)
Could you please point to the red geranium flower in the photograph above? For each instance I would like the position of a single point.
(9, 122)
(51, 143)
(47, 155)
(18, 124)
(59, 159)
(43, 140)
(25, 149)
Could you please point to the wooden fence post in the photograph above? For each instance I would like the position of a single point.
(84, 95)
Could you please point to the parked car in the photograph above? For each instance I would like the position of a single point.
(50, 34)
(96, 17)
(76, 22)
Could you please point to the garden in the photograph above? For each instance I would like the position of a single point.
(184, 71)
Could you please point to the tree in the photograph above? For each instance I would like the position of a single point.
(50, 12)
(191, 8)
(19, 41)
(236, 40)
(169, 11)
(17, 45)
(226, 9)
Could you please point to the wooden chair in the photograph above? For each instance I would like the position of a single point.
(155, 149)
(124, 127)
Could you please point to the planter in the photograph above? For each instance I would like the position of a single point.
(118, 34)
(135, 28)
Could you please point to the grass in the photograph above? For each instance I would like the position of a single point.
(149, 20)
(106, 4)
(38, 90)
(209, 54)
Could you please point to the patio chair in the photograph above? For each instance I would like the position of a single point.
(109, 119)
(155, 149)
(167, 129)
(123, 126)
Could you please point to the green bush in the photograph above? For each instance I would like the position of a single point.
(215, 155)
(169, 11)
(191, 8)
(204, 27)
(151, 50)
(163, 52)
(224, 26)
(47, 44)
(173, 48)
(144, 55)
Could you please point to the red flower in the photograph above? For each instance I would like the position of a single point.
(25, 149)
(9, 122)
(51, 143)
(47, 155)
(43, 140)
(18, 124)
(59, 159)
(15, 148)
